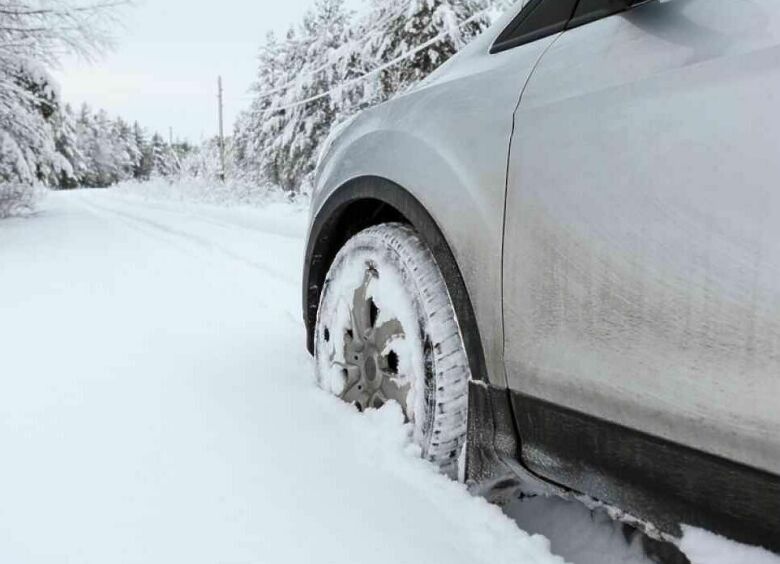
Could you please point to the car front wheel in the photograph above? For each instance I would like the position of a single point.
(387, 331)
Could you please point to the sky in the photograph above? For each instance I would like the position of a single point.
(168, 53)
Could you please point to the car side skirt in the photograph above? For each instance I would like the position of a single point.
(655, 480)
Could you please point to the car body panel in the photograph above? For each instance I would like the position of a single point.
(642, 266)
(446, 143)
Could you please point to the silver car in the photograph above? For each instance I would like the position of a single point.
(560, 255)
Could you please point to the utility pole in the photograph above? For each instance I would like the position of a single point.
(170, 136)
(221, 131)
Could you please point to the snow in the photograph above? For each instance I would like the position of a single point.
(158, 406)
(233, 193)
(703, 547)
(19, 199)
(577, 533)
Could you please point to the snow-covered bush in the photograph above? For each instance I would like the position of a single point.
(204, 190)
(203, 162)
(18, 199)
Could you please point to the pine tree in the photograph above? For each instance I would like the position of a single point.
(67, 144)
(414, 23)
(257, 127)
(28, 102)
(306, 126)
(126, 152)
(164, 161)
(142, 168)
(98, 144)
(284, 140)
(85, 135)
(316, 77)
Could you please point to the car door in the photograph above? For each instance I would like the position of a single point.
(641, 271)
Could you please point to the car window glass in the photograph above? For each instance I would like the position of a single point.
(537, 19)
(592, 10)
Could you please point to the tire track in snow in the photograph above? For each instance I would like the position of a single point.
(169, 207)
(130, 218)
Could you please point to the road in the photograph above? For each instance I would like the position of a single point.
(157, 405)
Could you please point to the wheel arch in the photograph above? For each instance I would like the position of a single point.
(370, 200)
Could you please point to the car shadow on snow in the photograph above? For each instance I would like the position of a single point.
(582, 535)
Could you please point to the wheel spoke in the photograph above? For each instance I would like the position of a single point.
(386, 332)
(361, 308)
(378, 399)
(355, 396)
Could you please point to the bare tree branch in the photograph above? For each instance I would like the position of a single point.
(58, 27)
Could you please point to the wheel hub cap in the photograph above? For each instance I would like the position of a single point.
(370, 369)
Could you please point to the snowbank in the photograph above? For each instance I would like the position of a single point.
(703, 547)
(19, 199)
(199, 190)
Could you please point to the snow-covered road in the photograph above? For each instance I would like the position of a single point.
(157, 406)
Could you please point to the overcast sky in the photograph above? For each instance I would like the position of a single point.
(163, 72)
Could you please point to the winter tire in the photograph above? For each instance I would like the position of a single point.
(386, 330)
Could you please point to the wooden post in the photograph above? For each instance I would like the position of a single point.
(221, 132)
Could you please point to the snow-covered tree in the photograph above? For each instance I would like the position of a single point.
(27, 103)
(325, 70)
(33, 35)
(203, 161)
(396, 28)
(127, 155)
(164, 160)
(96, 142)
(296, 132)
(66, 142)
(255, 127)
(98, 151)
(143, 166)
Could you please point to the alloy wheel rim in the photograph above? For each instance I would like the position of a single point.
(370, 369)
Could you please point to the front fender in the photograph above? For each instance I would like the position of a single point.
(451, 193)
(376, 200)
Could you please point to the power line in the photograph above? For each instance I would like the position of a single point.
(343, 48)
(369, 74)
